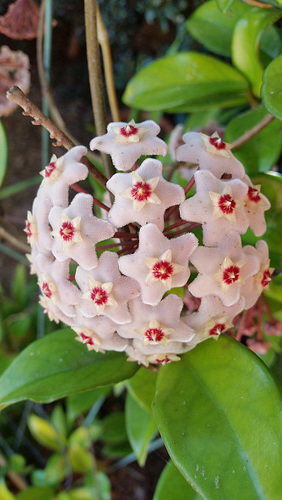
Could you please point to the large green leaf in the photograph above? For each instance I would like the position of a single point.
(219, 413)
(245, 43)
(213, 29)
(141, 428)
(188, 80)
(172, 486)
(271, 90)
(142, 388)
(3, 152)
(57, 366)
(262, 151)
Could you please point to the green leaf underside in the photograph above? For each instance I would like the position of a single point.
(3, 152)
(57, 366)
(219, 413)
(186, 78)
(172, 486)
(142, 388)
(141, 428)
(245, 44)
(260, 153)
(212, 28)
(271, 90)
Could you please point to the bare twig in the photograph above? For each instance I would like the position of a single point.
(16, 95)
(252, 132)
(17, 480)
(23, 247)
(95, 76)
(103, 39)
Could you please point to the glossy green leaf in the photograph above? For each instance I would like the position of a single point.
(262, 151)
(189, 81)
(3, 152)
(57, 366)
(79, 403)
(224, 5)
(271, 90)
(142, 388)
(172, 486)
(245, 44)
(212, 28)
(141, 428)
(219, 413)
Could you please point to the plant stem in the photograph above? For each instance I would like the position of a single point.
(252, 132)
(95, 77)
(103, 39)
(23, 247)
(16, 95)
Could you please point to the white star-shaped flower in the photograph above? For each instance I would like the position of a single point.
(126, 142)
(223, 270)
(255, 205)
(98, 334)
(209, 154)
(157, 329)
(217, 205)
(105, 291)
(159, 263)
(76, 231)
(152, 196)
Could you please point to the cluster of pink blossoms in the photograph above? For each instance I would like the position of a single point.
(129, 298)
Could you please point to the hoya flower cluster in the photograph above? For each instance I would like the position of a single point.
(125, 294)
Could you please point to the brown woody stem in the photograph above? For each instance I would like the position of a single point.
(16, 95)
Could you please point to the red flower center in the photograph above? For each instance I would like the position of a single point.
(50, 169)
(162, 270)
(163, 361)
(46, 290)
(253, 194)
(231, 274)
(217, 142)
(141, 191)
(266, 278)
(67, 231)
(154, 334)
(28, 229)
(227, 204)
(217, 329)
(86, 339)
(99, 296)
(128, 130)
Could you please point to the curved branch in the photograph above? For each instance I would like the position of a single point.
(252, 132)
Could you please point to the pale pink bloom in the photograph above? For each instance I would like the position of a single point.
(14, 70)
(258, 346)
(256, 204)
(98, 334)
(223, 269)
(31, 229)
(126, 142)
(159, 359)
(54, 313)
(157, 329)
(175, 140)
(105, 291)
(60, 174)
(212, 318)
(145, 188)
(218, 160)
(252, 289)
(217, 205)
(40, 212)
(160, 263)
(53, 279)
(76, 231)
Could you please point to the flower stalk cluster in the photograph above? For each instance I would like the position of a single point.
(123, 281)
